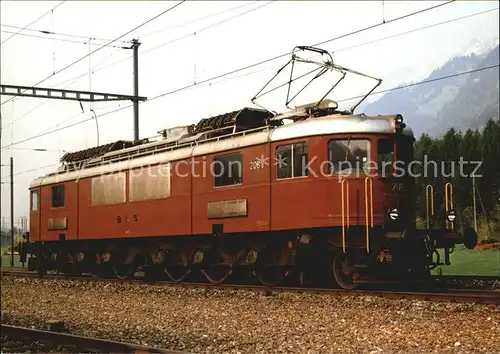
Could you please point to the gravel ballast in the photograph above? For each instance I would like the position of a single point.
(237, 321)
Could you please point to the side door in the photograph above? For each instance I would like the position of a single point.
(34, 228)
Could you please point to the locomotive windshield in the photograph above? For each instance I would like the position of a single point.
(394, 153)
(348, 155)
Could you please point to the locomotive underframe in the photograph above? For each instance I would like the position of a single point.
(315, 255)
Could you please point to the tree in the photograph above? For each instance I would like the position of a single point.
(490, 152)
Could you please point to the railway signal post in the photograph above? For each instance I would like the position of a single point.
(11, 211)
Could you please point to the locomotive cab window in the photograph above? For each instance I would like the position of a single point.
(228, 170)
(348, 155)
(58, 197)
(291, 161)
(385, 156)
(34, 200)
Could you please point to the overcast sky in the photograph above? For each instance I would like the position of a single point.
(249, 32)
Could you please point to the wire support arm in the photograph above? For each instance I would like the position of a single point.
(60, 94)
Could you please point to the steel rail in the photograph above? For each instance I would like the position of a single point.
(446, 295)
(78, 342)
(449, 277)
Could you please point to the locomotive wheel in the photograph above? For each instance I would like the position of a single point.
(343, 274)
(217, 274)
(123, 271)
(270, 276)
(176, 266)
(177, 273)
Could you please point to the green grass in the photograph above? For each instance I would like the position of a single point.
(6, 260)
(471, 262)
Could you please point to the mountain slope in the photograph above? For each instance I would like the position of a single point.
(477, 100)
(462, 102)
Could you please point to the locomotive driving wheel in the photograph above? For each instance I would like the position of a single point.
(216, 274)
(221, 268)
(270, 276)
(344, 273)
(123, 271)
(177, 271)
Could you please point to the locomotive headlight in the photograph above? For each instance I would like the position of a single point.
(399, 125)
(451, 216)
(394, 214)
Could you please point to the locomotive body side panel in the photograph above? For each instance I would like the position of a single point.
(354, 178)
(58, 211)
(315, 200)
(295, 195)
(240, 202)
(98, 215)
(148, 201)
(162, 203)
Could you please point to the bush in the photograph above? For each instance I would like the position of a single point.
(488, 229)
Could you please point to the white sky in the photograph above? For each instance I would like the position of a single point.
(268, 31)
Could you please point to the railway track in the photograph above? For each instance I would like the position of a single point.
(64, 342)
(447, 295)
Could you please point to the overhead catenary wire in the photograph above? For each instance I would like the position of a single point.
(32, 22)
(342, 100)
(31, 170)
(37, 149)
(105, 45)
(336, 50)
(175, 40)
(78, 115)
(207, 27)
(386, 22)
(286, 54)
(197, 19)
(418, 29)
(63, 34)
(400, 87)
(69, 81)
(63, 39)
(66, 127)
(330, 40)
(189, 35)
(264, 61)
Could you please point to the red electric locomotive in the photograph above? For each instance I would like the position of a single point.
(323, 194)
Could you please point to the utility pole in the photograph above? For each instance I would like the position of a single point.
(1, 227)
(135, 47)
(474, 201)
(11, 211)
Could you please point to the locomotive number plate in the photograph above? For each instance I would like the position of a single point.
(398, 187)
(227, 208)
